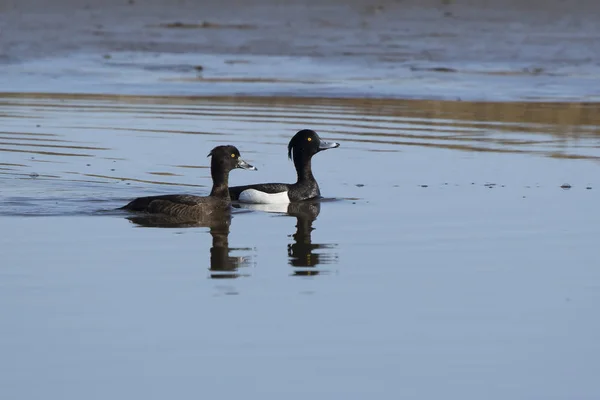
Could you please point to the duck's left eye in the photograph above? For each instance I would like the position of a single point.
(232, 155)
(309, 139)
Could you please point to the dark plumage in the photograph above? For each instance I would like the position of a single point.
(185, 207)
(302, 147)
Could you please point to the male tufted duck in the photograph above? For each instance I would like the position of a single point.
(305, 144)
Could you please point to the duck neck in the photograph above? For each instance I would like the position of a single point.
(220, 180)
(303, 169)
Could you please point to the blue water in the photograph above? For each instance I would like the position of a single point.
(445, 262)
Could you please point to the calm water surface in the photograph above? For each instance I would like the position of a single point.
(445, 261)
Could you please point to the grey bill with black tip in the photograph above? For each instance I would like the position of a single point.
(323, 145)
(244, 165)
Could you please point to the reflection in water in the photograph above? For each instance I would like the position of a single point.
(216, 218)
(553, 129)
(222, 265)
(303, 254)
(102, 139)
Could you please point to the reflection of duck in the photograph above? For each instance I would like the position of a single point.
(302, 147)
(221, 264)
(215, 218)
(206, 209)
(301, 252)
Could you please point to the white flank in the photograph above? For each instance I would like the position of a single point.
(257, 197)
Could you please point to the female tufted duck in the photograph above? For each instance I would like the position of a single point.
(224, 159)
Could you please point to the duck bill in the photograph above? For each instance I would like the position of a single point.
(244, 165)
(323, 145)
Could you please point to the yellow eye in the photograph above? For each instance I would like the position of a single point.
(309, 139)
(232, 155)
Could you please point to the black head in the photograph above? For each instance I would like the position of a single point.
(307, 143)
(227, 158)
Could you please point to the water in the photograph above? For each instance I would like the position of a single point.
(443, 49)
(445, 260)
(454, 254)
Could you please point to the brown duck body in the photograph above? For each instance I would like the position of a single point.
(182, 207)
(189, 207)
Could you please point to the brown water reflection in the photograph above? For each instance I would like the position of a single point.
(455, 120)
(304, 255)
(222, 265)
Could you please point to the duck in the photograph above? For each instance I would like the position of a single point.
(185, 207)
(301, 148)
